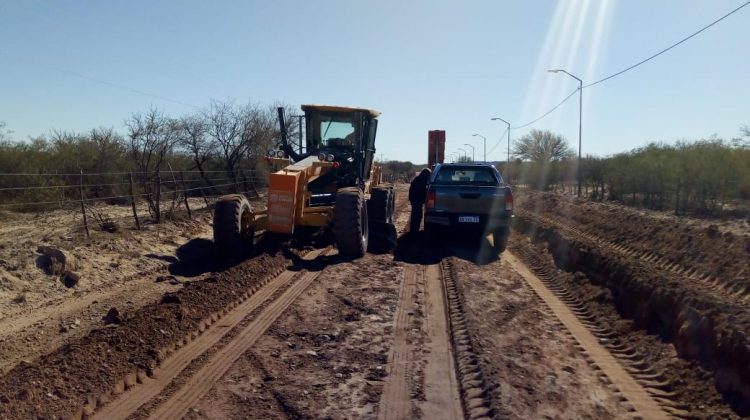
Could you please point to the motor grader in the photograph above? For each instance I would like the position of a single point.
(331, 183)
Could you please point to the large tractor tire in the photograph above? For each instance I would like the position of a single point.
(378, 205)
(350, 223)
(384, 236)
(233, 226)
(391, 204)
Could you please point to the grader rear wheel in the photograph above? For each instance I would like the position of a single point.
(350, 224)
(379, 204)
(233, 226)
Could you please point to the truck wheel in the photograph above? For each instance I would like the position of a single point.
(350, 224)
(432, 233)
(233, 226)
(500, 239)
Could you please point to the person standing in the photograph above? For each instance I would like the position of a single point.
(417, 197)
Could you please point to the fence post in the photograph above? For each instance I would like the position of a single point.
(83, 206)
(132, 202)
(185, 195)
(158, 197)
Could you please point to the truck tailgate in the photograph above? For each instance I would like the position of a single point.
(469, 199)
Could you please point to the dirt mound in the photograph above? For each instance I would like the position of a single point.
(703, 326)
(689, 243)
(63, 381)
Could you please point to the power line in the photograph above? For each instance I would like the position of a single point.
(670, 47)
(548, 112)
(108, 83)
(498, 142)
(636, 64)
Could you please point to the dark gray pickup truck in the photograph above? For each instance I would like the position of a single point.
(469, 197)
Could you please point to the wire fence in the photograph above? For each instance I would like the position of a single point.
(109, 200)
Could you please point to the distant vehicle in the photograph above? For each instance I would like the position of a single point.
(471, 198)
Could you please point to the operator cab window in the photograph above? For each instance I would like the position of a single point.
(333, 131)
(479, 176)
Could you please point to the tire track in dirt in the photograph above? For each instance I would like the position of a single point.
(130, 402)
(475, 398)
(642, 403)
(441, 388)
(179, 403)
(396, 401)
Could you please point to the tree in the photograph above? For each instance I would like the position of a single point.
(225, 125)
(542, 146)
(546, 151)
(463, 159)
(194, 139)
(151, 138)
(4, 133)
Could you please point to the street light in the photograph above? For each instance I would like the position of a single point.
(463, 150)
(580, 120)
(485, 144)
(508, 164)
(472, 151)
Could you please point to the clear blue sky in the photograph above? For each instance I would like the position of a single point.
(425, 64)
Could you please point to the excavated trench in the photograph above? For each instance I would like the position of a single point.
(702, 328)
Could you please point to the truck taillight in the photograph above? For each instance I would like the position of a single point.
(508, 200)
(430, 199)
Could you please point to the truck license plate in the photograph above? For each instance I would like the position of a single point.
(468, 219)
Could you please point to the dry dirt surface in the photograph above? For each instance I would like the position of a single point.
(124, 270)
(675, 294)
(575, 320)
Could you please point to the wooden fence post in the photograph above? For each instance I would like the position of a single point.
(158, 197)
(132, 202)
(185, 195)
(83, 206)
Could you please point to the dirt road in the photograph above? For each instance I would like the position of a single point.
(425, 330)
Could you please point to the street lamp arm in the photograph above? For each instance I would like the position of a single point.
(561, 70)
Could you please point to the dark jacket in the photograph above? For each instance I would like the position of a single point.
(418, 187)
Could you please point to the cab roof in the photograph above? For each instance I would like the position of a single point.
(333, 108)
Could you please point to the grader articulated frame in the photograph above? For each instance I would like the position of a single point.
(330, 183)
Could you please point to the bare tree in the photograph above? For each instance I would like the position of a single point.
(542, 146)
(151, 137)
(194, 139)
(225, 127)
(4, 133)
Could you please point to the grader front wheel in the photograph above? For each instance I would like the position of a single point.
(233, 226)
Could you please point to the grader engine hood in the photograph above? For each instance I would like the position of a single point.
(288, 196)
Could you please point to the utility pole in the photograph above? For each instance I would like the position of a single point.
(580, 123)
(465, 153)
(485, 144)
(508, 163)
(472, 151)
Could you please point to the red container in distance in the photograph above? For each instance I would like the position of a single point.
(435, 147)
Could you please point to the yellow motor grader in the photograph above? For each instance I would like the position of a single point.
(332, 184)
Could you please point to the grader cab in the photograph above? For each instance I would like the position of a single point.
(329, 182)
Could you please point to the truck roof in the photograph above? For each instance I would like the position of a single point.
(467, 164)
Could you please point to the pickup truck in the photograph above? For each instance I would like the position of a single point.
(471, 198)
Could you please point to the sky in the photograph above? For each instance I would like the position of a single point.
(425, 64)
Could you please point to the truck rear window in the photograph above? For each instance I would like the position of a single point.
(465, 176)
